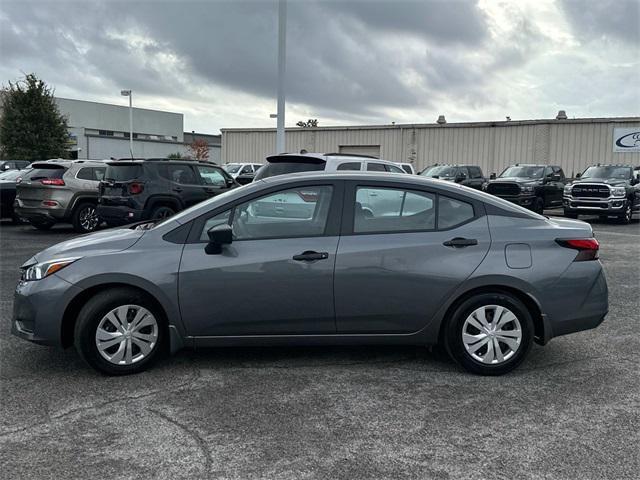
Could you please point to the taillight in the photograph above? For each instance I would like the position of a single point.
(587, 247)
(52, 181)
(136, 188)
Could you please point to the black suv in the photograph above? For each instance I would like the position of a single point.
(151, 189)
(467, 175)
(535, 187)
(604, 190)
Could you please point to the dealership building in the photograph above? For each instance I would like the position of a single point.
(571, 143)
(99, 130)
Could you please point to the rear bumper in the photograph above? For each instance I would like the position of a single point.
(120, 215)
(42, 214)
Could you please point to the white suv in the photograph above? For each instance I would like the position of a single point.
(328, 162)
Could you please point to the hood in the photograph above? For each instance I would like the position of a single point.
(106, 241)
(609, 181)
(514, 180)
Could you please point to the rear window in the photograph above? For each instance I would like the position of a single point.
(123, 173)
(46, 171)
(272, 169)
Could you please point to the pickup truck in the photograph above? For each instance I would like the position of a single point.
(535, 187)
(467, 175)
(604, 190)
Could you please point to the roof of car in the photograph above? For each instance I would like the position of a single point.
(323, 157)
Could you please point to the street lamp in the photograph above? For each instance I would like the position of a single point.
(128, 93)
(282, 60)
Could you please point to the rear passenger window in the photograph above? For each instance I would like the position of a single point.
(85, 173)
(182, 174)
(349, 166)
(453, 212)
(376, 167)
(393, 210)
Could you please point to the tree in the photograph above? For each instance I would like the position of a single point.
(175, 156)
(311, 123)
(31, 127)
(199, 149)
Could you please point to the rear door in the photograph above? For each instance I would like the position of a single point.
(393, 266)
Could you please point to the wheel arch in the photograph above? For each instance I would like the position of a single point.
(163, 200)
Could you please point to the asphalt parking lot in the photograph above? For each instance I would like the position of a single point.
(572, 410)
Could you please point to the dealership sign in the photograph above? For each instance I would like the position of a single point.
(626, 139)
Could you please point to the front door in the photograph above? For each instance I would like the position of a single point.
(184, 182)
(276, 277)
(394, 268)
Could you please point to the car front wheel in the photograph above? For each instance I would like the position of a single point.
(490, 333)
(627, 215)
(119, 332)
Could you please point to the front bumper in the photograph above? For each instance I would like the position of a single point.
(119, 215)
(38, 309)
(596, 206)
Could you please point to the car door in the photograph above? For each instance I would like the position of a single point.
(552, 188)
(396, 266)
(276, 277)
(214, 180)
(184, 183)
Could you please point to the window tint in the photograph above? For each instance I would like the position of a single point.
(376, 167)
(453, 212)
(475, 172)
(349, 166)
(548, 171)
(98, 173)
(297, 212)
(182, 174)
(123, 173)
(393, 210)
(85, 173)
(394, 169)
(220, 219)
(211, 176)
(463, 170)
(42, 171)
(407, 168)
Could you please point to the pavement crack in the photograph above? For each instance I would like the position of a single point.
(192, 433)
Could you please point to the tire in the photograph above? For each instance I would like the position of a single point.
(627, 216)
(42, 225)
(570, 215)
(101, 315)
(158, 213)
(538, 205)
(85, 218)
(16, 220)
(517, 331)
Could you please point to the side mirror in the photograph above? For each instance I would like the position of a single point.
(218, 236)
(492, 176)
(578, 175)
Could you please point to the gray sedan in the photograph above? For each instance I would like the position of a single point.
(340, 258)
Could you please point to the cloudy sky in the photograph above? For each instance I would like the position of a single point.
(348, 62)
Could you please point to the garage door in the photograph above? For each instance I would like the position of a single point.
(372, 150)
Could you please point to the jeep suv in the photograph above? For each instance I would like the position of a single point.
(152, 189)
(467, 175)
(60, 191)
(328, 162)
(535, 187)
(604, 190)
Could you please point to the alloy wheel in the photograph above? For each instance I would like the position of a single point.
(127, 334)
(88, 218)
(628, 214)
(492, 334)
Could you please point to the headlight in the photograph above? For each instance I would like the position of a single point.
(527, 188)
(40, 270)
(567, 189)
(618, 191)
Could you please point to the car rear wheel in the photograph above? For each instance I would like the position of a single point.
(490, 333)
(85, 218)
(119, 332)
(161, 212)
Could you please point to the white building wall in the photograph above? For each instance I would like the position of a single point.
(105, 147)
(572, 144)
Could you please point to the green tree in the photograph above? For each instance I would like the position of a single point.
(175, 156)
(31, 127)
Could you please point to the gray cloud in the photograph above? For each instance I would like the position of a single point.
(618, 19)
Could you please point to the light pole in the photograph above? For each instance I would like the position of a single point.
(128, 93)
(282, 57)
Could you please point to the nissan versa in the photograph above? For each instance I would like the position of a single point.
(357, 258)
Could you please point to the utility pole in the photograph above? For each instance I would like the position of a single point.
(129, 93)
(282, 57)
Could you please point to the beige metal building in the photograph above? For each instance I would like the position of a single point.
(571, 143)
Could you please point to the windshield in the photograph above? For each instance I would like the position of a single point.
(43, 171)
(121, 173)
(607, 172)
(232, 167)
(13, 174)
(523, 172)
(441, 171)
(272, 169)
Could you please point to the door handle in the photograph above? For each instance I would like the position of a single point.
(460, 242)
(310, 256)
(177, 189)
